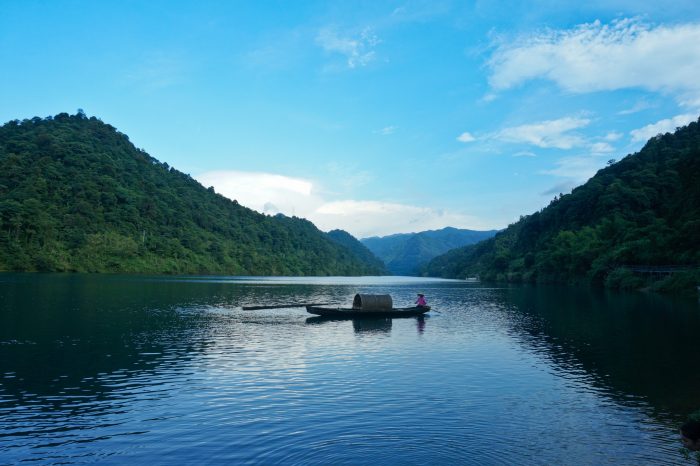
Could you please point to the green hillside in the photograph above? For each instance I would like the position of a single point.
(408, 253)
(76, 195)
(636, 214)
(345, 239)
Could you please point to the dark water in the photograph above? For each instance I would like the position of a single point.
(150, 370)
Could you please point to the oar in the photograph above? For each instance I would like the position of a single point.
(280, 306)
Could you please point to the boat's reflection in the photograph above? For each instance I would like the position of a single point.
(371, 325)
(367, 325)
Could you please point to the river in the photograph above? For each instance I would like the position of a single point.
(112, 369)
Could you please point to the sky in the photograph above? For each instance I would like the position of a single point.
(375, 117)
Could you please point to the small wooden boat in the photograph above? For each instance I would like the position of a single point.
(349, 313)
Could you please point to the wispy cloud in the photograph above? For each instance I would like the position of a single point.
(612, 136)
(278, 50)
(157, 71)
(561, 188)
(419, 11)
(661, 126)
(637, 107)
(577, 169)
(387, 130)
(601, 148)
(546, 134)
(358, 49)
(581, 59)
(549, 134)
(348, 176)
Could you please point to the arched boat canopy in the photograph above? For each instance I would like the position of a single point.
(372, 302)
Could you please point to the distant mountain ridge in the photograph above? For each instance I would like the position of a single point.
(408, 253)
(76, 195)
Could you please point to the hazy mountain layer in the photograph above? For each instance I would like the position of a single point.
(408, 253)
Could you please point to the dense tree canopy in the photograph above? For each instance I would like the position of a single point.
(76, 195)
(344, 238)
(642, 210)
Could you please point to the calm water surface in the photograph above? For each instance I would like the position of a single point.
(162, 370)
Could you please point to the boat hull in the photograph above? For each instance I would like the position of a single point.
(345, 313)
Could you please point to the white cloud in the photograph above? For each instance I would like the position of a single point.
(601, 148)
(264, 192)
(358, 50)
(466, 137)
(271, 194)
(349, 208)
(661, 126)
(577, 169)
(612, 136)
(638, 107)
(387, 130)
(558, 134)
(595, 57)
(545, 134)
(691, 101)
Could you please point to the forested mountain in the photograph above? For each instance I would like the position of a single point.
(408, 253)
(640, 212)
(344, 238)
(76, 195)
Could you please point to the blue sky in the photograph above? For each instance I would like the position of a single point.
(375, 117)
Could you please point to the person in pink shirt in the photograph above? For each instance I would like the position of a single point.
(420, 302)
